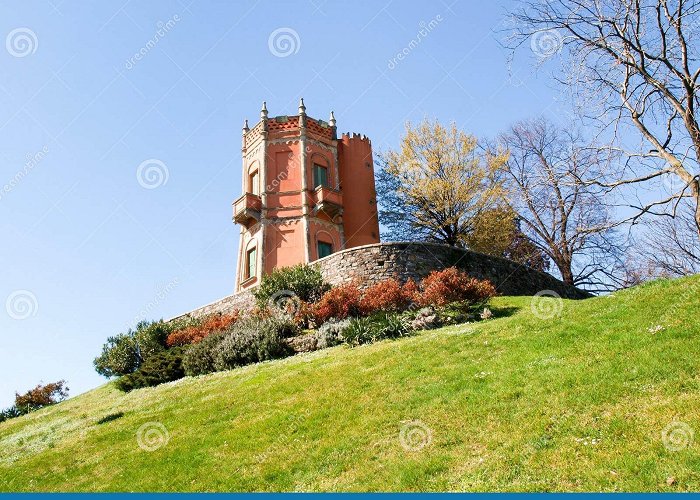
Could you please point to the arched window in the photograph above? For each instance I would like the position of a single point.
(251, 262)
(254, 183)
(324, 248)
(320, 175)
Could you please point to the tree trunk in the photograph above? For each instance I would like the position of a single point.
(696, 192)
(567, 276)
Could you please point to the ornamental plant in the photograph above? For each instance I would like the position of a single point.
(195, 333)
(340, 302)
(388, 295)
(450, 285)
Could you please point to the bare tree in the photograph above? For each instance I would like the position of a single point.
(669, 246)
(560, 212)
(638, 59)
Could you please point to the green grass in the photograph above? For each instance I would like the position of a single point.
(576, 402)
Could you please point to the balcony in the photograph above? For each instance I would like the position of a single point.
(327, 200)
(246, 209)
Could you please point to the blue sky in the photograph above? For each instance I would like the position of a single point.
(89, 247)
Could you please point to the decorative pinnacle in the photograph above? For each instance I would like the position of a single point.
(245, 126)
(331, 121)
(263, 111)
(302, 108)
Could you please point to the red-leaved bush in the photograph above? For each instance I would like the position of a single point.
(193, 334)
(387, 295)
(40, 396)
(339, 303)
(440, 288)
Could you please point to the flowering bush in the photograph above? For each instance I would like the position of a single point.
(450, 285)
(388, 295)
(195, 333)
(339, 303)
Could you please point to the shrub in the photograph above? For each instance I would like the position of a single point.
(304, 281)
(124, 353)
(252, 341)
(195, 333)
(376, 327)
(450, 285)
(339, 303)
(119, 356)
(199, 357)
(41, 396)
(388, 295)
(331, 333)
(8, 413)
(162, 367)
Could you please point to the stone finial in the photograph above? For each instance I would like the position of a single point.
(331, 120)
(245, 127)
(263, 111)
(302, 108)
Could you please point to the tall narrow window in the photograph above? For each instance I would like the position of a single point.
(320, 175)
(251, 261)
(254, 187)
(324, 249)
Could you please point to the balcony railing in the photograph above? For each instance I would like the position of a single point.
(246, 209)
(328, 200)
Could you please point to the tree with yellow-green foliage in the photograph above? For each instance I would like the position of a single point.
(437, 185)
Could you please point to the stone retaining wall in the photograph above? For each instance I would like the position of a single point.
(371, 263)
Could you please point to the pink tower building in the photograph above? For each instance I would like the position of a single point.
(306, 194)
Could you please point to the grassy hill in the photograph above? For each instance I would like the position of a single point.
(604, 397)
